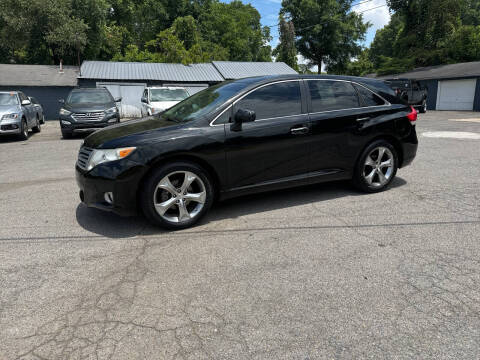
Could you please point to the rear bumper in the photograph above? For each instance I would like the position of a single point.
(409, 147)
(107, 178)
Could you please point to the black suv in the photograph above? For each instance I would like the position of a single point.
(248, 136)
(87, 110)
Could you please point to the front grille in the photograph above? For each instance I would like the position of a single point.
(89, 116)
(83, 157)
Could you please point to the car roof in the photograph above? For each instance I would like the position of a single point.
(89, 88)
(166, 87)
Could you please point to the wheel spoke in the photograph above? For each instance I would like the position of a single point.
(183, 212)
(381, 152)
(387, 163)
(370, 176)
(198, 197)
(164, 206)
(381, 177)
(369, 161)
(165, 184)
(188, 180)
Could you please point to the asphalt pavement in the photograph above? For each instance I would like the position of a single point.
(319, 272)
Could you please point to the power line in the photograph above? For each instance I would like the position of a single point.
(376, 7)
(361, 2)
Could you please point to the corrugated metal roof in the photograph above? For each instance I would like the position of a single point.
(37, 75)
(460, 70)
(149, 71)
(239, 70)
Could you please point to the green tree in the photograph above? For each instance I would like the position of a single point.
(328, 32)
(286, 50)
(236, 27)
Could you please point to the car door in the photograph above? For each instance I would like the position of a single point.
(273, 147)
(335, 115)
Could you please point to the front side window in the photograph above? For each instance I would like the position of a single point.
(168, 94)
(273, 101)
(369, 98)
(328, 95)
(8, 99)
(90, 97)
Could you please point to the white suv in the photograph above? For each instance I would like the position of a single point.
(159, 99)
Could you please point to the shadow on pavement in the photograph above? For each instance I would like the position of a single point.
(113, 226)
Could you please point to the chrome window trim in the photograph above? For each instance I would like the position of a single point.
(248, 93)
(387, 103)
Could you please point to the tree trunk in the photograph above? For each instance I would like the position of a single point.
(319, 62)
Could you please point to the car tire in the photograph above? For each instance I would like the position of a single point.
(168, 195)
(42, 121)
(423, 107)
(66, 134)
(372, 174)
(23, 130)
(37, 128)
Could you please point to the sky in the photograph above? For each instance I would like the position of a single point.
(378, 17)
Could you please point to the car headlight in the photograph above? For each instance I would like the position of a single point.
(112, 110)
(101, 156)
(64, 112)
(10, 116)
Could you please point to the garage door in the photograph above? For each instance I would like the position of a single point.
(456, 94)
(131, 94)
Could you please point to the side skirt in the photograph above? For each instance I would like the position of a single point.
(287, 182)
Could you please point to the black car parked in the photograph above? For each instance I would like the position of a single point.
(86, 110)
(248, 136)
(410, 91)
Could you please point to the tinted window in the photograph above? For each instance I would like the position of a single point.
(224, 118)
(332, 95)
(368, 97)
(22, 96)
(272, 101)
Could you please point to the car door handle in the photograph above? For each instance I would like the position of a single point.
(300, 131)
(362, 120)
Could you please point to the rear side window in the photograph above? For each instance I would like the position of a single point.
(273, 101)
(330, 95)
(369, 98)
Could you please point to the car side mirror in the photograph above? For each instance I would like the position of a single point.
(118, 99)
(144, 100)
(242, 116)
(26, 102)
(61, 101)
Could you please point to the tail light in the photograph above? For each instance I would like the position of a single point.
(412, 116)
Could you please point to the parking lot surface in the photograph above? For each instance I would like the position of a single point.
(320, 272)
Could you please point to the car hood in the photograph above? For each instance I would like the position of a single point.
(163, 105)
(131, 133)
(88, 107)
(9, 109)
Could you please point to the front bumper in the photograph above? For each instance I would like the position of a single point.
(8, 128)
(121, 178)
(87, 126)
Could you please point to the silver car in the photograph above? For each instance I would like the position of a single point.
(17, 114)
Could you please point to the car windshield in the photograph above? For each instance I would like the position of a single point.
(8, 99)
(206, 101)
(89, 97)
(168, 94)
